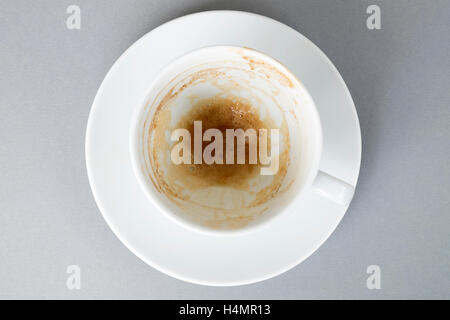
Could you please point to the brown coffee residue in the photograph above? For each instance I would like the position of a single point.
(179, 182)
(222, 114)
(269, 71)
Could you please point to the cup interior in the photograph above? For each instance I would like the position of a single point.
(201, 84)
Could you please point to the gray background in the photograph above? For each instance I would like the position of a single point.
(399, 219)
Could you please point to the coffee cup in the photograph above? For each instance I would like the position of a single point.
(226, 139)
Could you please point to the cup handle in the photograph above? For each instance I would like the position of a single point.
(333, 188)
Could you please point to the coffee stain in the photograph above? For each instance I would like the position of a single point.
(222, 114)
(270, 71)
(230, 112)
(161, 117)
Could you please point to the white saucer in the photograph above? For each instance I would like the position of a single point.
(178, 252)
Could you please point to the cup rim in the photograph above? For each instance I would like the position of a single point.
(152, 195)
